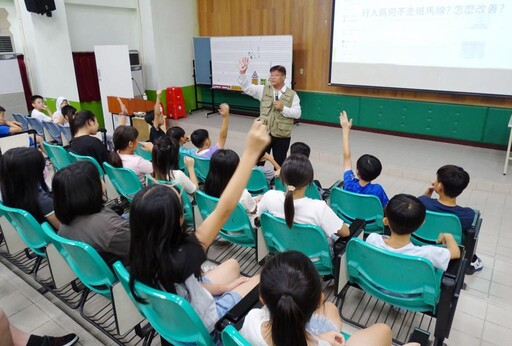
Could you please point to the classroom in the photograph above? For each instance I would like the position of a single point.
(353, 152)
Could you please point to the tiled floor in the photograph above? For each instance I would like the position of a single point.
(485, 307)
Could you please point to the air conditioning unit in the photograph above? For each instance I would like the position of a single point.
(6, 44)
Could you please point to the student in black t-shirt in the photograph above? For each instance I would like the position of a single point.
(155, 120)
(23, 186)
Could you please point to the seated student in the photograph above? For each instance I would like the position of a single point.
(125, 142)
(450, 183)
(293, 206)
(39, 106)
(78, 198)
(165, 157)
(368, 168)
(223, 165)
(295, 312)
(58, 117)
(23, 185)
(270, 173)
(163, 256)
(84, 127)
(304, 149)
(201, 138)
(67, 112)
(179, 134)
(404, 214)
(8, 127)
(10, 335)
(155, 120)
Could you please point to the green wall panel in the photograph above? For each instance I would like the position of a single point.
(327, 107)
(496, 127)
(96, 108)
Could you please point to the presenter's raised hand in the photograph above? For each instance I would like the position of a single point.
(244, 64)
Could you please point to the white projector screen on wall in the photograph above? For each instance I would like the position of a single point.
(462, 46)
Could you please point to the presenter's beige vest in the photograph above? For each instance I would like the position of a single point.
(278, 125)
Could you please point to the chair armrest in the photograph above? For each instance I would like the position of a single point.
(471, 234)
(455, 267)
(356, 228)
(235, 316)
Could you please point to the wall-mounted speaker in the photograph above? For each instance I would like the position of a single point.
(40, 6)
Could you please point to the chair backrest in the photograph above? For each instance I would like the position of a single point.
(188, 208)
(54, 131)
(22, 120)
(125, 181)
(231, 337)
(409, 282)
(201, 167)
(66, 132)
(76, 157)
(257, 184)
(237, 229)
(143, 153)
(436, 223)
(37, 125)
(308, 239)
(311, 191)
(350, 206)
(28, 228)
(85, 261)
(58, 155)
(171, 315)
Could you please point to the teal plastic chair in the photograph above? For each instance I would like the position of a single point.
(201, 167)
(308, 239)
(90, 159)
(59, 157)
(408, 282)
(237, 229)
(231, 337)
(311, 190)
(350, 206)
(85, 261)
(257, 184)
(436, 223)
(143, 153)
(181, 163)
(188, 208)
(169, 314)
(125, 181)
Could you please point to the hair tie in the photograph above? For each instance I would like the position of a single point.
(290, 188)
(287, 293)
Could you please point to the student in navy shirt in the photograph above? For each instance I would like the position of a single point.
(368, 168)
(450, 183)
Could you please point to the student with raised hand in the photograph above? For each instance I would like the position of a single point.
(155, 120)
(294, 206)
(223, 165)
(165, 158)
(125, 142)
(163, 256)
(201, 138)
(23, 185)
(295, 312)
(368, 168)
(78, 197)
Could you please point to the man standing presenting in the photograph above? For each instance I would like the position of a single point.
(279, 105)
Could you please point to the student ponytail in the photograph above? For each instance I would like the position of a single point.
(296, 173)
(288, 324)
(122, 137)
(79, 120)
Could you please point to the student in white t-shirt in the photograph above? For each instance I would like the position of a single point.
(295, 312)
(404, 214)
(223, 165)
(39, 106)
(294, 206)
(125, 140)
(165, 157)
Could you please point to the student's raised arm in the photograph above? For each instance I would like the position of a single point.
(346, 125)
(257, 140)
(156, 119)
(124, 112)
(448, 240)
(223, 134)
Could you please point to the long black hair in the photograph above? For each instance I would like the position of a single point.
(79, 120)
(156, 234)
(77, 190)
(165, 157)
(21, 177)
(291, 288)
(223, 165)
(296, 173)
(123, 135)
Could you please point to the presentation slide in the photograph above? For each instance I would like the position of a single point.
(459, 46)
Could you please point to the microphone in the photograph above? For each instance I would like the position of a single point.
(277, 96)
(137, 85)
